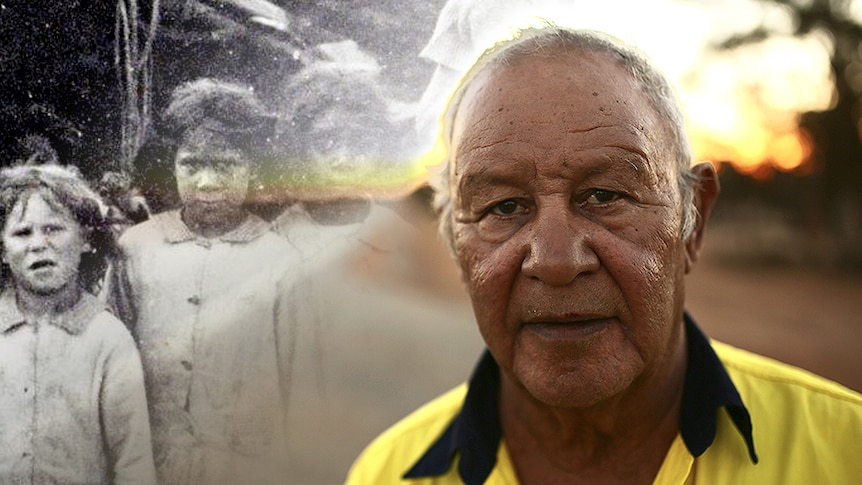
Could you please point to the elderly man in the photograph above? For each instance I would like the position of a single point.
(570, 204)
(203, 289)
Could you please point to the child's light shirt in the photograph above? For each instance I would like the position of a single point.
(72, 402)
(213, 324)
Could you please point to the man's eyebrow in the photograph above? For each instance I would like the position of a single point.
(486, 178)
(633, 161)
(627, 165)
(471, 183)
(639, 159)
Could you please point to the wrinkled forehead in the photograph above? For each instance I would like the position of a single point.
(572, 91)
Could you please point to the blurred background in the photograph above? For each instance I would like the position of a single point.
(772, 89)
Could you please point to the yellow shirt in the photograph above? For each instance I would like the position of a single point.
(806, 430)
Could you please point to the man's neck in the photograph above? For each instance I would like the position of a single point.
(623, 439)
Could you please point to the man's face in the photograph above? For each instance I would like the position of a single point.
(212, 175)
(566, 222)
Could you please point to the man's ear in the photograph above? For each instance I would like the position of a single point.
(705, 194)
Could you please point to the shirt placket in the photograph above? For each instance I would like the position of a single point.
(35, 395)
(199, 400)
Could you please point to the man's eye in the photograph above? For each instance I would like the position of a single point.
(21, 232)
(53, 229)
(507, 207)
(600, 196)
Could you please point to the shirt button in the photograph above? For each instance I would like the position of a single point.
(194, 300)
(186, 364)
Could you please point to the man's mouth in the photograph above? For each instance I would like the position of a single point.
(567, 329)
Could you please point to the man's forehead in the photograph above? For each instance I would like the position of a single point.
(578, 75)
(581, 93)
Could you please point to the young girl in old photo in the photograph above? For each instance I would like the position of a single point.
(72, 402)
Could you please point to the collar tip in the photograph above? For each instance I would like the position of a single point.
(753, 456)
(421, 473)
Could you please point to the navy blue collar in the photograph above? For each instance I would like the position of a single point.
(476, 432)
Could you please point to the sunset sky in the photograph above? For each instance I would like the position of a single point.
(742, 105)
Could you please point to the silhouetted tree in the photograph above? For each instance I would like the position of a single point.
(834, 184)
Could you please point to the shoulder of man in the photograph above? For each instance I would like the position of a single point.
(397, 449)
(755, 374)
(807, 429)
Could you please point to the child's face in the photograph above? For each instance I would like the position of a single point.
(211, 174)
(42, 246)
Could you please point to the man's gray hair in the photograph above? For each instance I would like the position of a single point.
(550, 39)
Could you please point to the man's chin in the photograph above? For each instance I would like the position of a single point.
(580, 385)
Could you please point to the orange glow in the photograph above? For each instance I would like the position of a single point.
(750, 150)
(744, 105)
(790, 150)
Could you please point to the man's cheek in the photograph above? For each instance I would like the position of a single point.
(488, 276)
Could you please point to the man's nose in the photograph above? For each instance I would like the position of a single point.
(560, 247)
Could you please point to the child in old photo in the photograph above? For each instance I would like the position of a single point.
(202, 288)
(72, 402)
